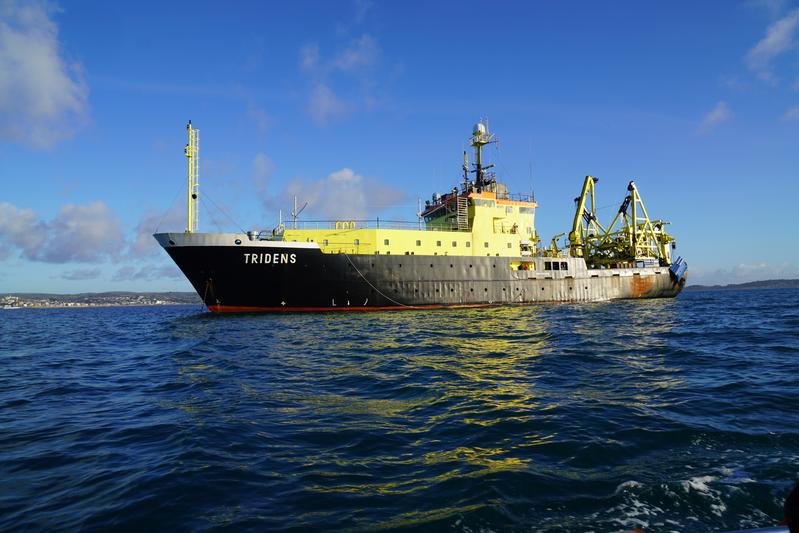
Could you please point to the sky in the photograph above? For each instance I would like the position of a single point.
(360, 108)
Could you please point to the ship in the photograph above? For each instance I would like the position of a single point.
(474, 246)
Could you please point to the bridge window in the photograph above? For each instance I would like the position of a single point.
(555, 265)
(385, 241)
(547, 265)
(564, 265)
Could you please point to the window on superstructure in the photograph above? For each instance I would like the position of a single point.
(454, 244)
(357, 242)
(485, 245)
(325, 242)
(510, 245)
(547, 265)
(385, 241)
(418, 243)
(438, 243)
(564, 265)
(555, 265)
(468, 244)
(509, 209)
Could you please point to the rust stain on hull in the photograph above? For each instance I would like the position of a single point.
(642, 285)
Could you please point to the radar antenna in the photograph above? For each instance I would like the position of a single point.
(481, 137)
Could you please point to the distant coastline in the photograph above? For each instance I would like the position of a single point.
(766, 284)
(96, 299)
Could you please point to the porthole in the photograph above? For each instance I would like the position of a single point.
(237, 241)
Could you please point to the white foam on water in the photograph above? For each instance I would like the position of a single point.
(699, 484)
(626, 485)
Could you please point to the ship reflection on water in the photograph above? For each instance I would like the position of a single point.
(452, 411)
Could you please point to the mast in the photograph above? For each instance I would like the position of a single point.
(192, 152)
(480, 137)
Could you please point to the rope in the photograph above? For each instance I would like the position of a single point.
(211, 214)
(225, 213)
(389, 298)
(167, 211)
(205, 293)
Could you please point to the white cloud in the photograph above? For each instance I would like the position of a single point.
(43, 98)
(262, 166)
(343, 195)
(144, 245)
(147, 273)
(363, 52)
(260, 118)
(309, 57)
(81, 274)
(356, 62)
(718, 115)
(362, 8)
(772, 7)
(19, 229)
(79, 233)
(792, 113)
(262, 169)
(779, 38)
(324, 104)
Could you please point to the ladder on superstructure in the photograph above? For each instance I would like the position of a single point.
(463, 214)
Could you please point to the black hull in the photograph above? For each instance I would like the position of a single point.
(257, 278)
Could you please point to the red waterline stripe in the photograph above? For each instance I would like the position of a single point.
(251, 309)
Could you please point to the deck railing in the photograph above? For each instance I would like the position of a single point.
(378, 223)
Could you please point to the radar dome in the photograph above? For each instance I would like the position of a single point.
(479, 129)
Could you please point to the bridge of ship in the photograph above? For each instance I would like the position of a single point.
(465, 224)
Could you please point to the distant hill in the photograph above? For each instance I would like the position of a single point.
(108, 298)
(766, 284)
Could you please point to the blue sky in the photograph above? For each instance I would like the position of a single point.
(698, 102)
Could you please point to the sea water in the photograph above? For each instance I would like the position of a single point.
(667, 415)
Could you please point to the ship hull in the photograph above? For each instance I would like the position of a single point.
(284, 276)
